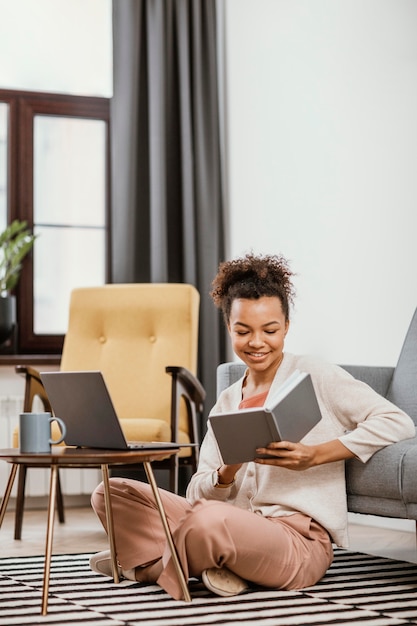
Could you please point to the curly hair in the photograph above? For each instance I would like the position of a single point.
(252, 277)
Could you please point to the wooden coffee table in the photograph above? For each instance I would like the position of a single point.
(61, 456)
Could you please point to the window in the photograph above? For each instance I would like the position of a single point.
(54, 154)
(58, 173)
(69, 213)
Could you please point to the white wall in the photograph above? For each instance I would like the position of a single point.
(322, 159)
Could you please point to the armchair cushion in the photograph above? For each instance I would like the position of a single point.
(143, 429)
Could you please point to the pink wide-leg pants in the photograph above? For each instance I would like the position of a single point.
(289, 552)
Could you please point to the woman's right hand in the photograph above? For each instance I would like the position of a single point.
(227, 473)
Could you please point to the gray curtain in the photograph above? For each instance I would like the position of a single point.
(167, 199)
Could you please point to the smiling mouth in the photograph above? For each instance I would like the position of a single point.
(257, 355)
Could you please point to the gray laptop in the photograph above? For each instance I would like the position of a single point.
(83, 401)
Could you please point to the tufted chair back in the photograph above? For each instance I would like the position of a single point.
(131, 333)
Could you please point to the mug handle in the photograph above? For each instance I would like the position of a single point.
(63, 430)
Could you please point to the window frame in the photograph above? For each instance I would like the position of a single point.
(23, 107)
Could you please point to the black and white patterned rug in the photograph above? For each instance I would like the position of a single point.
(357, 589)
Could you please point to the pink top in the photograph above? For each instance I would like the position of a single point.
(253, 401)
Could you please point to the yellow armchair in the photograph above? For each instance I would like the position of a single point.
(144, 338)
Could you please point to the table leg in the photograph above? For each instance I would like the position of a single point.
(7, 492)
(174, 555)
(109, 520)
(49, 537)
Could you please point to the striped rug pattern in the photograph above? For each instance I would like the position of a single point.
(357, 589)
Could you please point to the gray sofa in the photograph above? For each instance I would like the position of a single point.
(387, 484)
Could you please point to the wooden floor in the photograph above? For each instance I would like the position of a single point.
(82, 532)
(387, 542)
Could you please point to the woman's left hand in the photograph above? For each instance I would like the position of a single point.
(297, 456)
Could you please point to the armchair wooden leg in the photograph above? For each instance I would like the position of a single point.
(173, 474)
(7, 492)
(20, 502)
(60, 501)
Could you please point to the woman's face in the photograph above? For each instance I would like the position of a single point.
(257, 329)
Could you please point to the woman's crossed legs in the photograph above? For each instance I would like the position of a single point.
(289, 552)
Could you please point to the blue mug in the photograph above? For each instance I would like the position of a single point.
(35, 432)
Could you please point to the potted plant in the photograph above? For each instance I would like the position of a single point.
(16, 241)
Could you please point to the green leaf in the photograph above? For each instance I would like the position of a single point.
(16, 241)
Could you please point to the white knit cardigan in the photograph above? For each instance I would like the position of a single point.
(351, 411)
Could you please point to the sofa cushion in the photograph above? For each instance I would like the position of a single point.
(378, 377)
(227, 374)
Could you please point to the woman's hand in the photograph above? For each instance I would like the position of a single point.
(227, 473)
(298, 456)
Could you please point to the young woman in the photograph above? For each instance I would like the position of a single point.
(270, 522)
